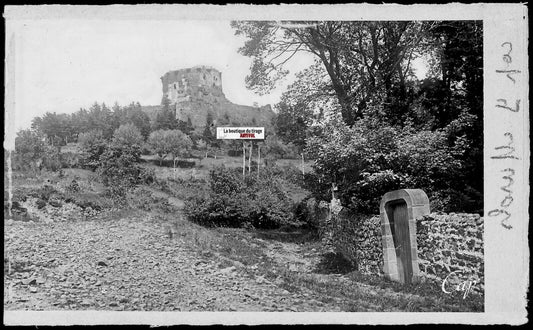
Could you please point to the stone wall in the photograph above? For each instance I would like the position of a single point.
(446, 243)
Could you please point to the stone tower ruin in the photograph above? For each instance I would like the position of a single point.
(200, 81)
(196, 92)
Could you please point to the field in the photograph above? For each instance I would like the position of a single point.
(86, 253)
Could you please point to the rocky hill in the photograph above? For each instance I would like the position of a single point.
(196, 92)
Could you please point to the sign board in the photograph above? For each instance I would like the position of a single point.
(241, 133)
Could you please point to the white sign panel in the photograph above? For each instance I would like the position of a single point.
(238, 133)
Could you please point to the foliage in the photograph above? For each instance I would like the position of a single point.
(92, 145)
(166, 117)
(119, 167)
(208, 136)
(56, 127)
(29, 148)
(362, 59)
(274, 149)
(69, 159)
(371, 124)
(234, 202)
(51, 158)
(166, 142)
(132, 114)
(128, 135)
(367, 160)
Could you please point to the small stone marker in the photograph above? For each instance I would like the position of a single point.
(399, 210)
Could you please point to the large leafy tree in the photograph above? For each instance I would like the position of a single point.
(132, 114)
(362, 59)
(30, 147)
(57, 128)
(404, 132)
(169, 142)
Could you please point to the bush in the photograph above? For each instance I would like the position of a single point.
(92, 145)
(119, 170)
(69, 160)
(51, 160)
(369, 159)
(147, 176)
(235, 153)
(29, 149)
(234, 202)
(144, 199)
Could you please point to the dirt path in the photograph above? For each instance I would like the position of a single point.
(129, 264)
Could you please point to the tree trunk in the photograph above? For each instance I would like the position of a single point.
(174, 164)
(243, 159)
(340, 91)
(258, 159)
(250, 158)
(303, 171)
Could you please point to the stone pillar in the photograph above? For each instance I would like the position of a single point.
(399, 210)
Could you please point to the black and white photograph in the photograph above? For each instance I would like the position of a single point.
(252, 164)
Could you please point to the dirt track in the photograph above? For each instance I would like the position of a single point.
(130, 264)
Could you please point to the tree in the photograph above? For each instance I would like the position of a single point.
(169, 142)
(92, 145)
(207, 134)
(119, 169)
(166, 117)
(274, 149)
(100, 117)
(131, 114)
(118, 166)
(57, 127)
(128, 135)
(202, 145)
(291, 123)
(362, 59)
(180, 144)
(29, 148)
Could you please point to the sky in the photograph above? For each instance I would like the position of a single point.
(68, 64)
(62, 65)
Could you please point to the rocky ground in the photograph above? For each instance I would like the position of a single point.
(131, 264)
(59, 255)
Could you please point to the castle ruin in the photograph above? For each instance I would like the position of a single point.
(195, 92)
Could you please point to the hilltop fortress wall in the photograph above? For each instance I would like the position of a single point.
(197, 91)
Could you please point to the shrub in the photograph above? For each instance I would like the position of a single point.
(29, 149)
(147, 176)
(69, 159)
(145, 200)
(235, 153)
(234, 202)
(119, 170)
(92, 145)
(51, 159)
(369, 159)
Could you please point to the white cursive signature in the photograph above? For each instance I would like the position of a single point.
(464, 286)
